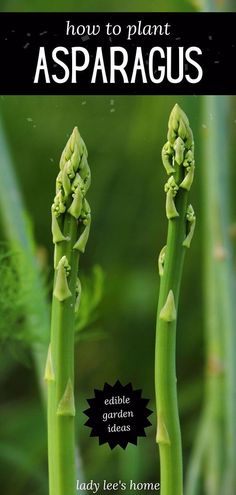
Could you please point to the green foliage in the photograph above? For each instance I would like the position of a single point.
(15, 295)
(21, 452)
(87, 318)
(94, 5)
(198, 4)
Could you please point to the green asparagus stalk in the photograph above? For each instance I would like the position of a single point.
(70, 230)
(178, 160)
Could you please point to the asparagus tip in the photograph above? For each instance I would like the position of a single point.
(178, 126)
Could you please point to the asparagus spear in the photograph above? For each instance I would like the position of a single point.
(178, 160)
(70, 230)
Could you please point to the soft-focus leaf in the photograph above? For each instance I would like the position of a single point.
(91, 298)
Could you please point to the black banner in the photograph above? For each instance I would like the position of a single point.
(117, 53)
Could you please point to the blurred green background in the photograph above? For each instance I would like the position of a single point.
(124, 137)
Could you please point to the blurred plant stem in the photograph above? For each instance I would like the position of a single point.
(18, 233)
(213, 246)
(178, 160)
(214, 460)
(195, 468)
(219, 454)
(219, 299)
